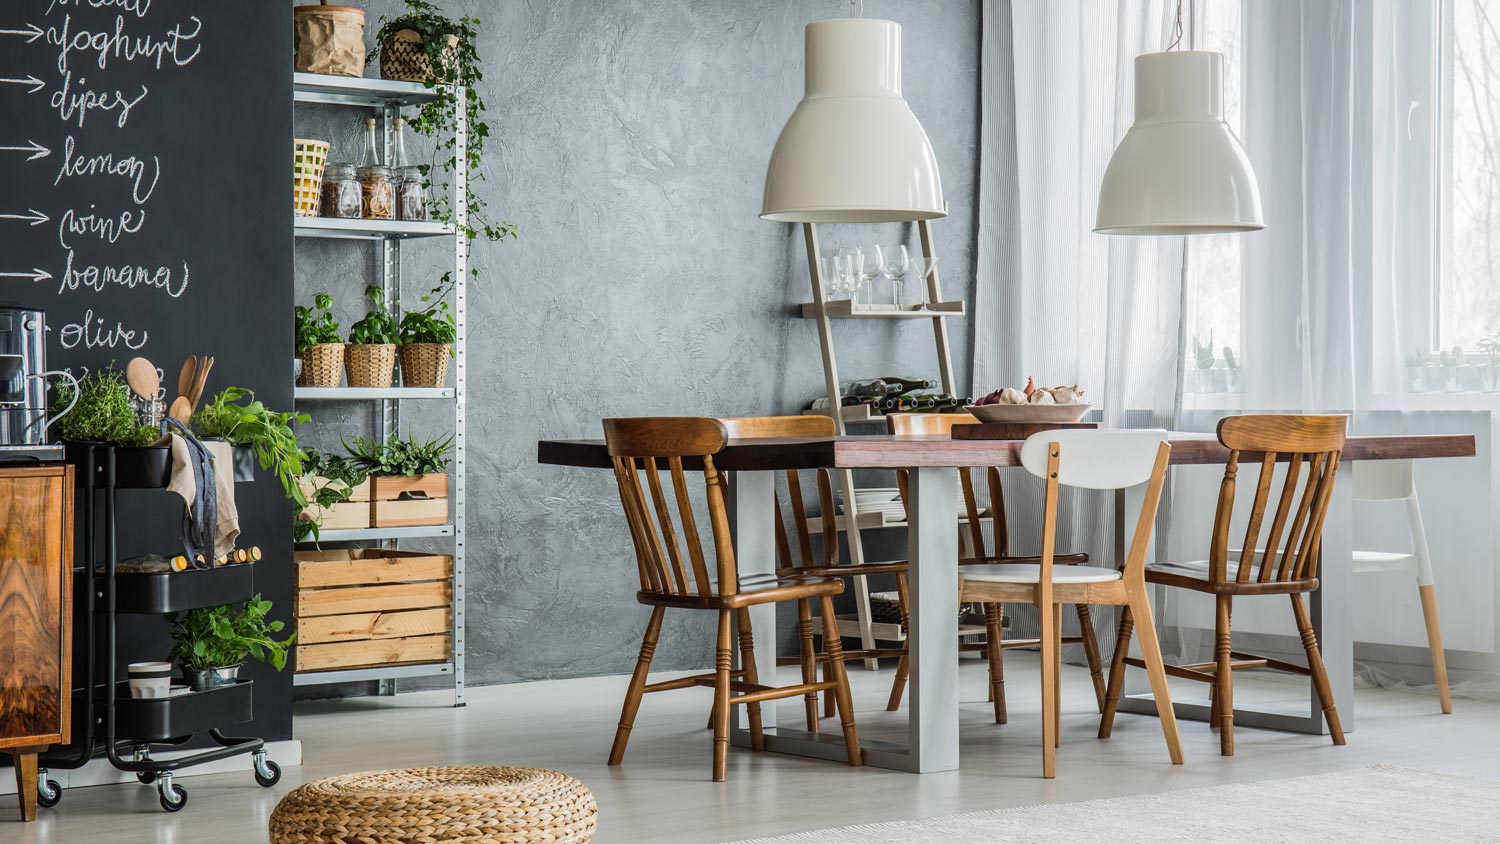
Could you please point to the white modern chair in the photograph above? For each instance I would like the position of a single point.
(1088, 459)
(1390, 481)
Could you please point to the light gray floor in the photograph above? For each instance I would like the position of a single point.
(663, 794)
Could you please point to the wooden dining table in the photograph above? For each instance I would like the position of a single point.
(932, 544)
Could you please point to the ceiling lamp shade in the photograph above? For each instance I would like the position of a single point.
(852, 152)
(1180, 169)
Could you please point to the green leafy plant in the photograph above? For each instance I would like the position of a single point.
(1230, 361)
(1452, 357)
(1417, 358)
(377, 326)
(455, 71)
(432, 324)
(1491, 347)
(237, 416)
(332, 478)
(316, 324)
(217, 637)
(1203, 351)
(104, 412)
(398, 456)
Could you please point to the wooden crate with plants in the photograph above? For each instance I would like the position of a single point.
(337, 491)
(408, 479)
(362, 607)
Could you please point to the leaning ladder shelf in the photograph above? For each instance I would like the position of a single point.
(824, 311)
(385, 98)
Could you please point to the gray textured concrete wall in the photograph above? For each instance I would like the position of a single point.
(630, 147)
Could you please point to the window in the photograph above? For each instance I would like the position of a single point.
(1469, 290)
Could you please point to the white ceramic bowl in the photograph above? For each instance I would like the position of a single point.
(1029, 412)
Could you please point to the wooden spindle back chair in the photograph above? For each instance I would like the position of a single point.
(674, 573)
(1275, 556)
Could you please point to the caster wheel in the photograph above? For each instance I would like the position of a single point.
(146, 777)
(267, 773)
(48, 793)
(173, 797)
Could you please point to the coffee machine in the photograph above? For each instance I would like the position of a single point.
(23, 388)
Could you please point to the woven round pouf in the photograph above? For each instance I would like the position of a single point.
(475, 805)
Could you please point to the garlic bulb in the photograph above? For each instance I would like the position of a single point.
(1010, 395)
(1065, 395)
(1043, 396)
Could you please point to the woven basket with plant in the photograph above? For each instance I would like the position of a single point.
(404, 56)
(427, 338)
(318, 344)
(370, 357)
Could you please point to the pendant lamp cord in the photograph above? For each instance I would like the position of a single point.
(857, 9)
(1176, 28)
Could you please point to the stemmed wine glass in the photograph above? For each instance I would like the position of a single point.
(867, 269)
(894, 263)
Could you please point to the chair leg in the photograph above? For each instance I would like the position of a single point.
(994, 649)
(1057, 674)
(1050, 647)
(831, 636)
(1116, 673)
(809, 662)
(1315, 666)
(841, 694)
(722, 666)
(1224, 675)
(637, 685)
(1157, 671)
(1091, 651)
(903, 666)
(1435, 644)
(752, 676)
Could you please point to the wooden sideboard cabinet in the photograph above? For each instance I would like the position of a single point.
(36, 618)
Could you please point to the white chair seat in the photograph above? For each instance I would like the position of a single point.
(1372, 561)
(1027, 573)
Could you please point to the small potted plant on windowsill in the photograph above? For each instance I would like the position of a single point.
(1416, 362)
(408, 479)
(320, 352)
(370, 357)
(1232, 381)
(1451, 362)
(1491, 377)
(427, 338)
(1203, 360)
(210, 644)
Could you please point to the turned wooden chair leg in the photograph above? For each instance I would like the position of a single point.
(1224, 675)
(752, 676)
(809, 662)
(723, 664)
(994, 648)
(637, 685)
(1050, 647)
(1315, 666)
(841, 694)
(903, 667)
(1116, 673)
(1157, 671)
(831, 636)
(1091, 651)
(1435, 645)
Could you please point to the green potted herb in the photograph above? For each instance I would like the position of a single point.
(370, 358)
(1232, 371)
(236, 416)
(338, 495)
(408, 478)
(1491, 348)
(210, 644)
(320, 351)
(1416, 362)
(423, 45)
(427, 338)
(104, 412)
(1451, 363)
(1203, 359)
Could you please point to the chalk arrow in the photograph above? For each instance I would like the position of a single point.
(35, 217)
(32, 31)
(35, 83)
(34, 275)
(36, 150)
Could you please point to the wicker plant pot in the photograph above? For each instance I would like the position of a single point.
(308, 158)
(424, 365)
(322, 365)
(403, 56)
(370, 364)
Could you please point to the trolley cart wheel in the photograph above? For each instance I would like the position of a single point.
(267, 773)
(146, 777)
(173, 796)
(48, 792)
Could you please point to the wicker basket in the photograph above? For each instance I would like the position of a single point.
(322, 365)
(475, 805)
(402, 56)
(370, 364)
(308, 158)
(424, 365)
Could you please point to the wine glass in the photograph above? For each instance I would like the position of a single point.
(849, 280)
(833, 277)
(867, 269)
(895, 262)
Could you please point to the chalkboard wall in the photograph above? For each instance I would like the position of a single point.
(147, 210)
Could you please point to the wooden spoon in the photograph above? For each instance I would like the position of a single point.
(141, 375)
(181, 410)
(185, 378)
(199, 381)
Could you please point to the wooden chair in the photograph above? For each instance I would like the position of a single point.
(1103, 460)
(807, 563)
(1390, 481)
(972, 551)
(671, 579)
(1285, 563)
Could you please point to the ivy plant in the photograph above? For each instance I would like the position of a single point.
(332, 479)
(218, 637)
(378, 326)
(316, 324)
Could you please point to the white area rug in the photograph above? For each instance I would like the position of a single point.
(1376, 804)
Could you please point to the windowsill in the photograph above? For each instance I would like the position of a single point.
(1470, 400)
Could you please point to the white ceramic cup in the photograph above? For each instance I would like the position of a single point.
(150, 679)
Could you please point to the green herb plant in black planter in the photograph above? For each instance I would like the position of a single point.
(370, 358)
(104, 412)
(427, 338)
(237, 416)
(210, 644)
(320, 350)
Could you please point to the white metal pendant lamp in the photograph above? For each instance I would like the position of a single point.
(852, 152)
(1180, 169)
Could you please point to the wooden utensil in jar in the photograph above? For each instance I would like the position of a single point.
(205, 364)
(181, 410)
(185, 377)
(141, 375)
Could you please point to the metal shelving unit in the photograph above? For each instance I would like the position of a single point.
(385, 99)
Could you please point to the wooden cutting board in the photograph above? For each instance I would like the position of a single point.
(1011, 430)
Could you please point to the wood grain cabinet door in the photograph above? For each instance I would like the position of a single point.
(36, 552)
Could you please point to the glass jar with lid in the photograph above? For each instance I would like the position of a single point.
(341, 192)
(376, 191)
(411, 194)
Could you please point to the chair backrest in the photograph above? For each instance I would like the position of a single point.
(1382, 480)
(752, 427)
(971, 542)
(1093, 459)
(1311, 447)
(648, 446)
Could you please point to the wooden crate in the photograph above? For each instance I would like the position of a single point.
(344, 516)
(410, 513)
(359, 493)
(392, 487)
(363, 607)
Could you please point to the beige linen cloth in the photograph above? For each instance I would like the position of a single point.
(182, 483)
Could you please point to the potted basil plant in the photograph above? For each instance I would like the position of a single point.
(427, 338)
(370, 358)
(320, 351)
(210, 644)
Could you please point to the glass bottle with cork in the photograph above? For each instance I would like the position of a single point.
(375, 180)
(411, 191)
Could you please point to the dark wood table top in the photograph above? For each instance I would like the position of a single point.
(892, 452)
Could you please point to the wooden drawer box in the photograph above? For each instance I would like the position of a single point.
(363, 607)
(401, 501)
(352, 514)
